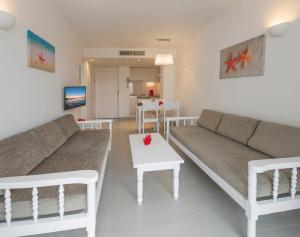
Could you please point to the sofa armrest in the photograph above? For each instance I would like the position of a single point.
(95, 124)
(87, 177)
(177, 120)
(52, 179)
(274, 164)
(191, 118)
(261, 166)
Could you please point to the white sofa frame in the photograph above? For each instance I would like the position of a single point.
(250, 204)
(63, 221)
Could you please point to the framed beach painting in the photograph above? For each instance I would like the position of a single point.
(41, 54)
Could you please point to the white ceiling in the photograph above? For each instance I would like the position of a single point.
(137, 23)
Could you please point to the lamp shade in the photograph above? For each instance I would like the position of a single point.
(7, 20)
(280, 29)
(164, 59)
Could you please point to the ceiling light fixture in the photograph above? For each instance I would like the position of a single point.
(164, 58)
(7, 20)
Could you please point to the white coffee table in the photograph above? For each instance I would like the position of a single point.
(159, 155)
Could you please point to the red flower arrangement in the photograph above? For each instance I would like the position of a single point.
(160, 103)
(147, 139)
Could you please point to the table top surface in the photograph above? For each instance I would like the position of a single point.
(139, 107)
(159, 152)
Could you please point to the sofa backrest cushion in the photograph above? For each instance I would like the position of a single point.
(237, 128)
(210, 119)
(50, 136)
(276, 140)
(68, 125)
(20, 154)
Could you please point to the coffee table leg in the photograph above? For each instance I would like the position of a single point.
(140, 174)
(176, 181)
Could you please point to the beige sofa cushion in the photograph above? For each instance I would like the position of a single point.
(237, 128)
(50, 136)
(85, 150)
(229, 159)
(20, 154)
(210, 119)
(276, 140)
(68, 125)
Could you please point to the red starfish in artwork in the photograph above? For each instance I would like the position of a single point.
(41, 58)
(231, 62)
(244, 57)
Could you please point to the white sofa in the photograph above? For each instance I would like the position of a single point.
(52, 175)
(254, 162)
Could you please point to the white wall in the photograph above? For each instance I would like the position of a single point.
(114, 52)
(89, 81)
(168, 82)
(274, 96)
(123, 92)
(30, 97)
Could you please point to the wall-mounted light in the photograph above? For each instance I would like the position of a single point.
(7, 20)
(280, 29)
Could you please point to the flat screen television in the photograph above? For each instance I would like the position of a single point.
(74, 96)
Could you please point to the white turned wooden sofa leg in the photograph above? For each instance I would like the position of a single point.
(252, 203)
(251, 231)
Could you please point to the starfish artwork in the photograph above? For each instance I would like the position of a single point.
(40, 53)
(40, 58)
(231, 62)
(244, 57)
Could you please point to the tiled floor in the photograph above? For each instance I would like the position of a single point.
(203, 209)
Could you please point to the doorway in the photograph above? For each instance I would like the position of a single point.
(106, 93)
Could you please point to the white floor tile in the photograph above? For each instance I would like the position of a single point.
(292, 231)
(273, 221)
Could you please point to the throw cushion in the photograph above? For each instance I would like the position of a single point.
(210, 119)
(276, 140)
(68, 125)
(237, 128)
(20, 154)
(50, 136)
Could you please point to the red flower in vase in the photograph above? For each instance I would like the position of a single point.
(147, 139)
(160, 103)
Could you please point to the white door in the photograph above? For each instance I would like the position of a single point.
(106, 93)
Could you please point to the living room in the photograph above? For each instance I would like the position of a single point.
(233, 63)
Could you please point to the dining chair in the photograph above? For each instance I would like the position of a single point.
(150, 114)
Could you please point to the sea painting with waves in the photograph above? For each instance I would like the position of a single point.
(41, 54)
